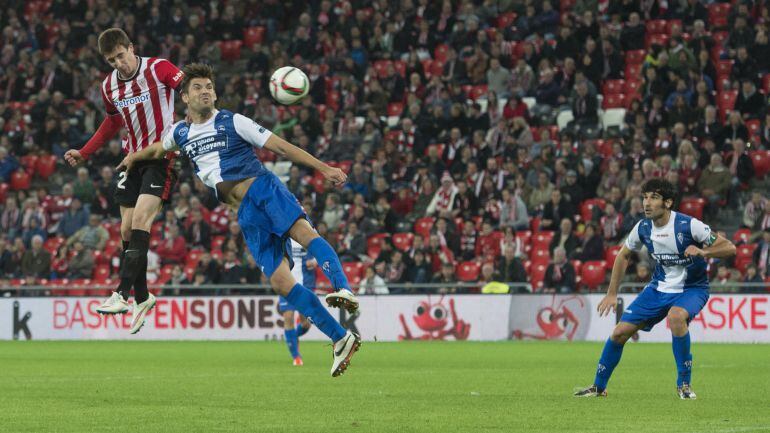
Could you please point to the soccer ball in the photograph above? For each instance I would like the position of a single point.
(289, 85)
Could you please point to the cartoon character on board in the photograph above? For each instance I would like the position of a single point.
(556, 321)
(432, 319)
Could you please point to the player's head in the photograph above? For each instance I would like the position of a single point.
(659, 195)
(198, 87)
(118, 50)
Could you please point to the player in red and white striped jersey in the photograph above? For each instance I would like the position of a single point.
(138, 95)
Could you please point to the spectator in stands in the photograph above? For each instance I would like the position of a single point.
(541, 194)
(488, 274)
(396, 268)
(418, 270)
(641, 275)
(8, 164)
(468, 240)
(497, 78)
(761, 256)
(632, 35)
(744, 66)
(93, 236)
(81, 265)
(752, 276)
(153, 266)
(750, 103)
(32, 231)
(739, 162)
(198, 231)
(333, 212)
(560, 275)
(547, 92)
(209, 268)
(555, 210)
(33, 211)
(173, 249)
(73, 220)
(36, 262)
(446, 276)
(510, 268)
(488, 243)
(373, 284)
(754, 210)
(352, 246)
(513, 212)
(10, 219)
(725, 277)
(611, 223)
(522, 80)
(734, 129)
(714, 183)
(83, 187)
(444, 197)
(634, 214)
(564, 238)
(6, 259)
(592, 245)
(233, 271)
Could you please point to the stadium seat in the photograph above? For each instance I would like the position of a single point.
(231, 50)
(656, 27)
(742, 263)
(745, 251)
(656, 39)
(403, 241)
(395, 109)
(29, 162)
(577, 265)
(615, 101)
(478, 91)
(100, 258)
(741, 236)
(534, 224)
(374, 244)
(440, 53)
(400, 67)
(20, 180)
(593, 273)
(754, 126)
(101, 273)
(542, 240)
(427, 65)
(633, 72)
(193, 257)
(52, 244)
(564, 118)
(718, 14)
(253, 35)
(635, 57)
(353, 269)
(423, 226)
(381, 67)
(540, 254)
(761, 160)
(525, 237)
(505, 19)
(46, 165)
(321, 280)
(614, 117)
(724, 67)
(693, 207)
(333, 100)
(613, 87)
(468, 271)
(609, 255)
(633, 89)
(537, 275)
(766, 83)
(586, 208)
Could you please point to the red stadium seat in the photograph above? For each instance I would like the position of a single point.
(53, 243)
(657, 39)
(718, 14)
(333, 100)
(745, 251)
(633, 72)
(542, 240)
(635, 57)
(321, 280)
(100, 258)
(403, 241)
(693, 207)
(610, 254)
(586, 208)
(374, 244)
(593, 273)
(253, 35)
(540, 254)
(761, 160)
(742, 263)
(468, 271)
(478, 91)
(577, 265)
(633, 88)
(754, 126)
(231, 50)
(427, 64)
(4, 187)
(440, 52)
(20, 180)
(353, 270)
(724, 67)
(29, 162)
(400, 67)
(101, 273)
(766, 83)
(193, 257)
(395, 109)
(670, 24)
(423, 226)
(505, 19)
(741, 236)
(537, 275)
(437, 68)
(615, 101)
(381, 67)
(613, 87)
(525, 236)
(656, 27)
(46, 165)
(534, 224)
(112, 246)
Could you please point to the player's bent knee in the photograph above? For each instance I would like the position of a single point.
(677, 316)
(302, 232)
(622, 333)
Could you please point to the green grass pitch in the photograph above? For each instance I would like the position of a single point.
(111, 386)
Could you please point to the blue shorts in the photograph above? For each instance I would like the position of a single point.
(266, 214)
(651, 306)
(284, 305)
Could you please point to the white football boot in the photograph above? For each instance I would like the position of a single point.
(343, 298)
(140, 311)
(343, 351)
(114, 305)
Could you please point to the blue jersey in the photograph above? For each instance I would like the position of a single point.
(222, 148)
(674, 273)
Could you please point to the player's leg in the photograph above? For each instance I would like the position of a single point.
(686, 306)
(289, 330)
(147, 207)
(304, 326)
(302, 232)
(306, 302)
(117, 303)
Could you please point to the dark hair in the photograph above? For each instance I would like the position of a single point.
(196, 70)
(660, 186)
(111, 39)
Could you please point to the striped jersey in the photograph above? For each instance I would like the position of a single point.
(145, 102)
(222, 148)
(674, 272)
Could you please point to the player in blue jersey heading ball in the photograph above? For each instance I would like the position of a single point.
(680, 245)
(220, 145)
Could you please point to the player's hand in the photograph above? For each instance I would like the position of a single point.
(335, 175)
(693, 251)
(126, 164)
(73, 157)
(609, 302)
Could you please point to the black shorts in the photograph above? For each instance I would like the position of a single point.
(156, 177)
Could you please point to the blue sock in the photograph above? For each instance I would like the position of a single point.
(291, 341)
(307, 303)
(683, 358)
(301, 330)
(609, 360)
(329, 262)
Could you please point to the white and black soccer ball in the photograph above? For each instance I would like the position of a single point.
(289, 85)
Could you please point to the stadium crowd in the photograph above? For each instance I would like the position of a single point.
(484, 140)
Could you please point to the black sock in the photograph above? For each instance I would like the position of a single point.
(123, 292)
(140, 241)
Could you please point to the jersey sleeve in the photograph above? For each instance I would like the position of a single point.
(109, 107)
(254, 133)
(168, 74)
(168, 141)
(702, 233)
(633, 242)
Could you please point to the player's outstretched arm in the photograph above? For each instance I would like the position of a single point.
(153, 151)
(610, 301)
(110, 126)
(721, 248)
(294, 154)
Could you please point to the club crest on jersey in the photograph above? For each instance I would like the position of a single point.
(183, 130)
(680, 237)
(221, 128)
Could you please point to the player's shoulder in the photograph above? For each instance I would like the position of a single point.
(179, 129)
(643, 227)
(109, 78)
